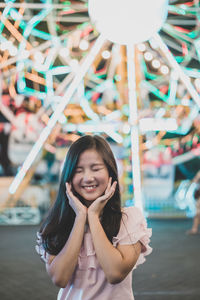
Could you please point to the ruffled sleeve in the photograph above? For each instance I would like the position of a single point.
(133, 229)
(40, 249)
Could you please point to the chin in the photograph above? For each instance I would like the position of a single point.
(92, 199)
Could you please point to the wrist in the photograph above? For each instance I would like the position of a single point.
(82, 217)
(93, 215)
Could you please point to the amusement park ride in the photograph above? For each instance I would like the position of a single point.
(127, 70)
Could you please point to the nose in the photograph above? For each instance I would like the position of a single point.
(88, 176)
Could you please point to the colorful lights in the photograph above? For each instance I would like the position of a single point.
(47, 61)
(55, 116)
(157, 124)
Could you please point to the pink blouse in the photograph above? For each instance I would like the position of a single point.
(88, 281)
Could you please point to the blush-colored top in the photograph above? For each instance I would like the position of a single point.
(88, 281)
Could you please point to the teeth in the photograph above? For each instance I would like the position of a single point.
(89, 187)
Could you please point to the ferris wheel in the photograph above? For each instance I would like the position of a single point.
(129, 64)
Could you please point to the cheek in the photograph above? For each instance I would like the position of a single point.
(75, 181)
(105, 179)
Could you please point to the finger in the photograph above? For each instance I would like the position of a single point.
(111, 192)
(107, 195)
(109, 185)
(70, 194)
(111, 189)
(69, 190)
(68, 186)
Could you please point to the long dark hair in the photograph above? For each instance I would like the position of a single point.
(57, 227)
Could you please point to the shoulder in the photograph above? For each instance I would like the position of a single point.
(132, 215)
(132, 220)
(132, 211)
(133, 228)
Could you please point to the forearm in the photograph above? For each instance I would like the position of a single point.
(112, 261)
(63, 265)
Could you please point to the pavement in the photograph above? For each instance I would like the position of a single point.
(172, 271)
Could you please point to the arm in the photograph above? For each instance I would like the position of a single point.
(115, 262)
(61, 267)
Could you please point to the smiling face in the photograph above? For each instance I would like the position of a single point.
(91, 176)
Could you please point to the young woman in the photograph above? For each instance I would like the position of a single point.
(90, 245)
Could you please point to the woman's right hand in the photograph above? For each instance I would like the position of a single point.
(74, 202)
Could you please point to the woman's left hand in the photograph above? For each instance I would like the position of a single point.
(97, 206)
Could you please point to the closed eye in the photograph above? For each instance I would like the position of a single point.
(78, 170)
(96, 170)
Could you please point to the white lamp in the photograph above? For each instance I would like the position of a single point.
(128, 21)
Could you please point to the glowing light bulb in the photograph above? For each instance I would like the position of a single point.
(13, 51)
(155, 64)
(105, 54)
(153, 43)
(6, 45)
(164, 70)
(128, 22)
(141, 47)
(24, 54)
(126, 128)
(148, 56)
(84, 45)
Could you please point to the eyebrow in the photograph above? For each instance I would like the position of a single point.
(93, 165)
(97, 164)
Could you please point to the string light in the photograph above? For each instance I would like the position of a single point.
(83, 45)
(148, 56)
(23, 54)
(155, 64)
(106, 54)
(13, 51)
(164, 70)
(141, 47)
(126, 128)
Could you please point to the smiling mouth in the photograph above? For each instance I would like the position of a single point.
(89, 188)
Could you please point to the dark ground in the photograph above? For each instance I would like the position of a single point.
(172, 271)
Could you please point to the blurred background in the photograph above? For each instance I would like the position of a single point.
(47, 101)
